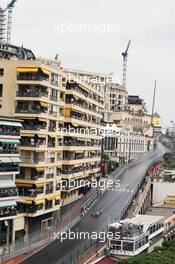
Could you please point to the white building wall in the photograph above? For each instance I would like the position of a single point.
(161, 190)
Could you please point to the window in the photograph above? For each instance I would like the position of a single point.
(1, 72)
(1, 90)
(128, 246)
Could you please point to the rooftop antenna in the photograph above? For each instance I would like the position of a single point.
(125, 60)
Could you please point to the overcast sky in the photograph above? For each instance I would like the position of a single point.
(149, 24)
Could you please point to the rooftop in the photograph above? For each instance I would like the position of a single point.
(134, 227)
(161, 211)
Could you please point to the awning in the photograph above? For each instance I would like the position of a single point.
(28, 135)
(77, 165)
(50, 198)
(25, 202)
(39, 185)
(45, 71)
(43, 104)
(29, 117)
(27, 70)
(16, 124)
(29, 185)
(6, 183)
(15, 159)
(74, 124)
(9, 141)
(8, 203)
(39, 202)
(40, 169)
(42, 136)
(42, 119)
(58, 197)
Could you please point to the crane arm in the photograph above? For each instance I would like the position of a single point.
(129, 43)
(11, 4)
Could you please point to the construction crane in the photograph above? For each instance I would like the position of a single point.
(125, 59)
(9, 8)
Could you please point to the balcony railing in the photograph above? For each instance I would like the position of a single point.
(25, 77)
(53, 98)
(30, 209)
(8, 211)
(8, 150)
(92, 109)
(9, 167)
(82, 118)
(9, 131)
(31, 94)
(80, 157)
(37, 176)
(85, 94)
(33, 143)
(8, 192)
(79, 169)
(30, 192)
(30, 111)
(34, 126)
(80, 143)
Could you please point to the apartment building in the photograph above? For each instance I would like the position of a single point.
(32, 90)
(82, 143)
(125, 145)
(59, 138)
(9, 170)
(99, 81)
(118, 97)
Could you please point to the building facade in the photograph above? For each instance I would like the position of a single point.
(58, 143)
(9, 170)
(136, 235)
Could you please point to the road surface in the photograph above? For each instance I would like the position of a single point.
(110, 205)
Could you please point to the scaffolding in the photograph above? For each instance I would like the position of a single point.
(2, 25)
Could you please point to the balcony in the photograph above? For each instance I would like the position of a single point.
(9, 167)
(34, 125)
(32, 142)
(8, 149)
(8, 192)
(37, 176)
(49, 190)
(38, 111)
(5, 130)
(29, 209)
(8, 211)
(48, 205)
(82, 119)
(31, 93)
(84, 94)
(54, 98)
(32, 77)
(51, 144)
(84, 107)
(30, 192)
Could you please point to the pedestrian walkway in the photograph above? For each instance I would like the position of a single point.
(106, 260)
(21, 258)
